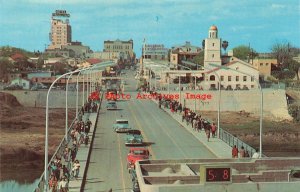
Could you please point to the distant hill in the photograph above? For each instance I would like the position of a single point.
(7, 51)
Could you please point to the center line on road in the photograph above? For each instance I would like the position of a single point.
(173, 140)
(142, 131)
(122, 166)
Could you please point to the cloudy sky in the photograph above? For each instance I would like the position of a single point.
(26, 23)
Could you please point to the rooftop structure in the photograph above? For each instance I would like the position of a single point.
(61, 33)
(219, 174)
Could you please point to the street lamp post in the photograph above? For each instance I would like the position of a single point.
(83, 90)
(261, 106)
(66, 124)
(47, 127)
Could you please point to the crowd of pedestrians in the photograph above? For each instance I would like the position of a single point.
(198, 123)
(189, 116)
(65, 166)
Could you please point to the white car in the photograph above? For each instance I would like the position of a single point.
(121, 126)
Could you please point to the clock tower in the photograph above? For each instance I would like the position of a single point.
(212, 48)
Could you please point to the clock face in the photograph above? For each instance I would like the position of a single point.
(218, 174)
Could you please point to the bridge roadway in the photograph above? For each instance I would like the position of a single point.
(107, 168)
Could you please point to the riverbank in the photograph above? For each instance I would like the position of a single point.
(22, 138)
(280, 138)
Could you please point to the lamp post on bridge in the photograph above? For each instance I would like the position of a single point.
(261, 104)
(47, 129)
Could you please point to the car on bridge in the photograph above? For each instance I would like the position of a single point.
(134, 138)
(136, 154)
(111, 94)
(121, 126)
(111, 105)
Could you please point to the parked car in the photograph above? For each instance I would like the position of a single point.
(134, 138)
(111, 105)
(13, 87)
(136, 154)
(34, 88)
(121, 126)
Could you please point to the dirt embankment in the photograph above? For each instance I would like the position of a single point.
(280, 138)
(22, 138)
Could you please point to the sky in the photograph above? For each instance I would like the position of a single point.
(260, 23)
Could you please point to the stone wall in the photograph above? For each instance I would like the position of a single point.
(249, 100)
(57, 98)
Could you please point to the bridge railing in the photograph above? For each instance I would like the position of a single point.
(231, 140)
(59, 151)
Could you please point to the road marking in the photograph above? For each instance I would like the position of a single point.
(122, 166)
(142, 131)
(157, 121)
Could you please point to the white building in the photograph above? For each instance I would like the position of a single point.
(25, 83)
(236, 74)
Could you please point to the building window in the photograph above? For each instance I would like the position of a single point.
(252, 86)
(213, 44)
(237, 78)
(222, 78)
(174, 58)
(213, 55)
(261, 64)
(244, 78)
(212, 78)
(252, 78)
(229, 78)
(267, 64)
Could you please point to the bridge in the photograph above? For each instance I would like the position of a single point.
(177, 155)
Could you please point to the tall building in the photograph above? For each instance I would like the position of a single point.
(61, 33)
(212, 48)
(124, 48)
(156, 52)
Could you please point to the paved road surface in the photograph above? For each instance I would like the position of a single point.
(108, 159)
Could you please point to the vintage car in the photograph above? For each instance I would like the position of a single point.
(111, 94)
(134, 137)
(136, 154)
(121, 126)
(111, 105)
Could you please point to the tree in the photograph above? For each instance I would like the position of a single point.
(5, 67)
(294, 66)
(284, 53)
(199, 59)
(281, 53)
(244, 52)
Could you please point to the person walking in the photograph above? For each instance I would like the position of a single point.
(207, 131)
(242, 152)
(63, 185)
(213, 130)
(75, 169)
(235, 152)
(255, 155)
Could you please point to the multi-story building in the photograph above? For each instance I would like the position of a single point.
(61, 33)
(155, 52)
(263, 65)
(124, 48)
(235, 74)
(182, 53)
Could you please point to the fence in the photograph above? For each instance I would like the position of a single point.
(232, 140)
(59, 151)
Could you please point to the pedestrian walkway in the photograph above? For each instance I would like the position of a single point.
(82, 155)
(215, 145)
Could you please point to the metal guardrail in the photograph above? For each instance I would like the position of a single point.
(58, 151)
(231, 140)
